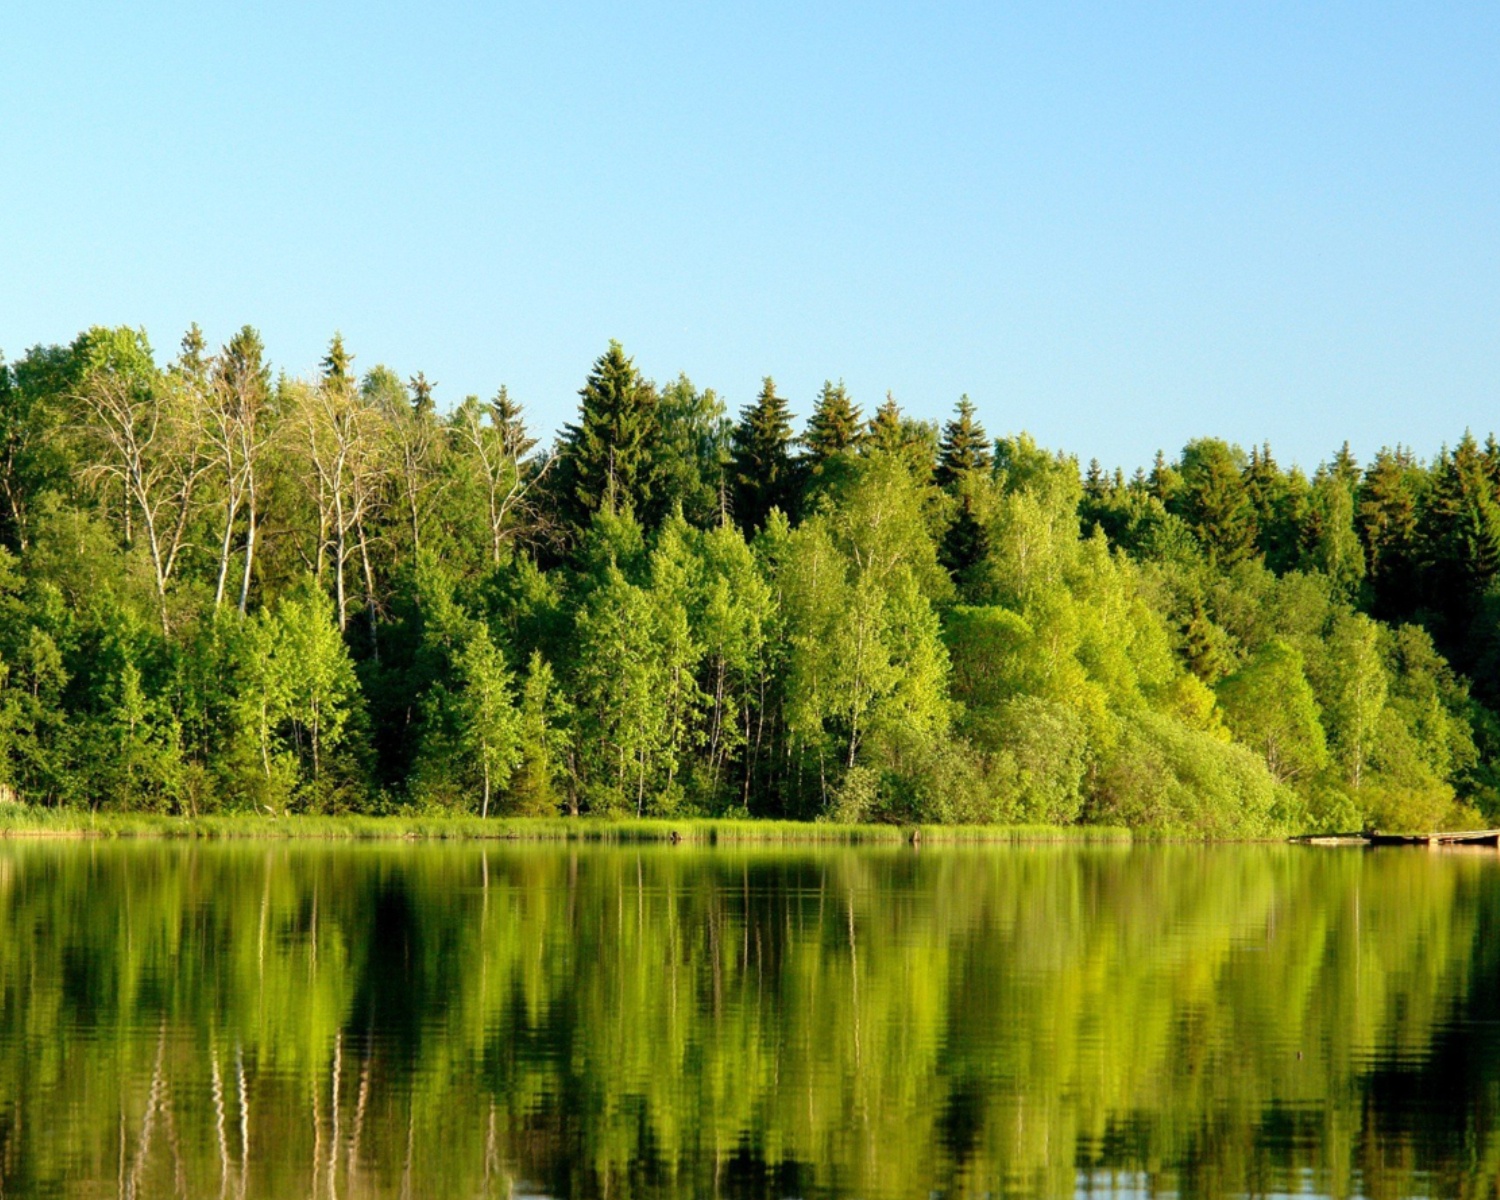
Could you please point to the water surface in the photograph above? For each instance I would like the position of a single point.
(382, 1021)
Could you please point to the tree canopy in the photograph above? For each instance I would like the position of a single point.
(224, 587)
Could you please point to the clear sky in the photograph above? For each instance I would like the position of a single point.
(1116, 226)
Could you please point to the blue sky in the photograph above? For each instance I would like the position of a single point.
(1116, 226)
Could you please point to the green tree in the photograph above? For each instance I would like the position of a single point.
(695, 454)
(964, 449)
(544, 716)
(1212, 498)
(300, 690)
(897, 436)
(489, 723)
(835, 427)
(1459, 538)
(963, 456)
(1332, 543)
(761, 464)
(1354, 694)
(610, 457)
(1270, 707)
(622, 686)
(1388, 512)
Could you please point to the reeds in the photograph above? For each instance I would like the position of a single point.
(26, 821)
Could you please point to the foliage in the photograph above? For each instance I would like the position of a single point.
(223, 589)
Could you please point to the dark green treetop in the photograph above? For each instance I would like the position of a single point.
(965, 447)
(893, 433)
(510, 420)
(337, 364)
(608, 458)
(421, 388)
(835, 426)
(761, 464)
(1214, 501)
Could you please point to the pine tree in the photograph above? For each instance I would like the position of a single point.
(608, 458)
(761, 465)
(964, 448)
(1265, 485)
(1345, 467)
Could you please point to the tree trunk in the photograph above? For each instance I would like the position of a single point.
(232, 511)
(249, 556)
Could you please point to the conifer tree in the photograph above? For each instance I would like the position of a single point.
(337, 365)
(964, 455)
(1164, 481)
(1096, 484)
(1460, 540)
(892, 433)
(834, 427)
(608, 459)
(510, 420)
(1388, 511)
(192, 363)
(964, 448)
(421, 395)
(760, 463)
(885, 433)
(1214, 502)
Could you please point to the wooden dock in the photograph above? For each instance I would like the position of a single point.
(1375, 837)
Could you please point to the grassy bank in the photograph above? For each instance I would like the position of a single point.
(20, 821)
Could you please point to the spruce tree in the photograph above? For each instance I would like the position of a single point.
(192, 363)
(834, 427)
(1095, 483)
(892, 433)
(1214, 501)
(761, 465)
(963, 455)
(886, 432)
(1387, 515)
(510, 420)
(421, 395)
(964, 448)
(337, 365)
(1460, 542)
(608, 458)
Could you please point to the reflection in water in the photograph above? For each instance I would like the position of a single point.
(271, 1020)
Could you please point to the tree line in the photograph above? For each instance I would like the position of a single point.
(225, 588)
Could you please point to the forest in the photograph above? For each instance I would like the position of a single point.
(226, 589)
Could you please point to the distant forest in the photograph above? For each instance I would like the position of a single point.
(225, 589)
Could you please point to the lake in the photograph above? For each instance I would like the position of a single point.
(305, 1020)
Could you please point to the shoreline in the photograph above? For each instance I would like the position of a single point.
(696, 831)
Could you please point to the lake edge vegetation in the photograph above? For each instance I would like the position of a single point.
(227, 591)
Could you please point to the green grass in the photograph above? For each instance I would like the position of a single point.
(22, 821)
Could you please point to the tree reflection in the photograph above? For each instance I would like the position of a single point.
(373, 1022)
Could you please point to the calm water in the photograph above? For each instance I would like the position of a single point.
(262, 1020)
